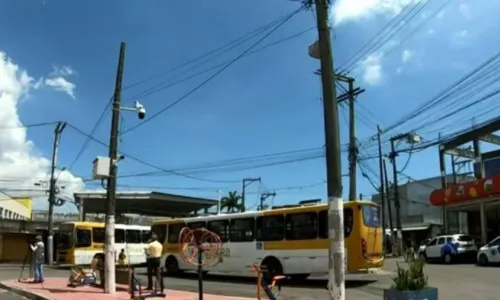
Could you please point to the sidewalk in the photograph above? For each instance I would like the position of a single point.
(56, 289)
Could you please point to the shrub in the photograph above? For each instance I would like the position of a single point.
(411, 279)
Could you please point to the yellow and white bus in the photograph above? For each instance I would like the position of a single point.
(291, 241)
(80, 242)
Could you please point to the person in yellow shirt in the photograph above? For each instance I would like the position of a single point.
(153, 253)
(122, 258)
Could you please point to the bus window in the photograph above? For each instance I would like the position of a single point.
(161, 232)
(271, 228)
(323, 223)
(302, 226)
(120, 236)
(98, 235)
(220, 228)
(241, 230)
(197, 225)
(173, 232)
(146, 234)
(133, 236)
(83, 238)
(370, 215)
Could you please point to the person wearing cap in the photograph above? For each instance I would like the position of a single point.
(153, 253)
(38, 249)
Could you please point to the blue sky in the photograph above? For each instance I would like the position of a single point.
(264, 103)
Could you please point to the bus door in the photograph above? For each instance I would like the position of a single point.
(84, 247)
(133, 247)
(241, 250)
(221, 228)
(373, 237)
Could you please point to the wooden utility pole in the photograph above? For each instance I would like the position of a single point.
(245, 183)
(381, 192)
(109, 247)
(353, 149)
(397, 202)
(52, 191)
(322, 49)
(389, 205)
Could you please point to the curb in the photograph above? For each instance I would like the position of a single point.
(23, 292)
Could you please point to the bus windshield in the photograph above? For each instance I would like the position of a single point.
(370, 215)
(65, 240)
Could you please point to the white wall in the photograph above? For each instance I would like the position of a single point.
(12, 209)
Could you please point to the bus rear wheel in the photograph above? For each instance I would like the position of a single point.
(272, 265)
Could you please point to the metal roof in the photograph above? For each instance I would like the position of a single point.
(148, 203)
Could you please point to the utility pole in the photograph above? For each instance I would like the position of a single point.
(322, 49)
(350, 97)
(246, 182)
(353, 149)
(109, 247)
(263, 198)
(52, 191)
(389, 205)
(381, 170)
(397, 203)
(411, 138)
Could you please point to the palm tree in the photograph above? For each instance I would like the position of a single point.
(231, 202)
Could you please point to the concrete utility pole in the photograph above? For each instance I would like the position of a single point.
(52, 191)
(322, 49)
(246, 182)
(263, 198)
(109, 247)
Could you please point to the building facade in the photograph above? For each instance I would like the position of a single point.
(419, 219)
(14, 208)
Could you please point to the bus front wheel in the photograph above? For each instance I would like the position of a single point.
(172, 265)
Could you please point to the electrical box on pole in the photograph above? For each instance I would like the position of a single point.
(100, 168)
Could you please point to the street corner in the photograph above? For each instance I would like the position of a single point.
(24, 289)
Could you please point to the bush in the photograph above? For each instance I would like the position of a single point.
(411, 279)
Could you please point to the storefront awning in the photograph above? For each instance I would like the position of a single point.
(467, 192)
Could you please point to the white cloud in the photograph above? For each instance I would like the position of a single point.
(20, 165)
(464, 10)
(372, 69)
(348, 10)
(407, 55)
(62, 85)
(62, 71)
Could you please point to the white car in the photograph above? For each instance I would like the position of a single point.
(449, 248)
(489, 253)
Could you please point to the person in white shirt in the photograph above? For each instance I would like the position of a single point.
(38, 252)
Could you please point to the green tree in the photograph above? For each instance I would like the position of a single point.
(231, 202)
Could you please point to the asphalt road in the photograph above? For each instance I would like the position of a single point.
(453, 281)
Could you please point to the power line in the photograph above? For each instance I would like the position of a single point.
(146, 163)
(215, 74)
(238, 41)
(170, 82)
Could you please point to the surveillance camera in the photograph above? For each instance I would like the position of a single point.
(141, 111)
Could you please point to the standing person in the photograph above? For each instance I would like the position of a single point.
(38, 253)
(153, 253)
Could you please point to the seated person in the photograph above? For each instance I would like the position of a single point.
(122, 258)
